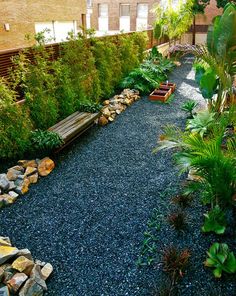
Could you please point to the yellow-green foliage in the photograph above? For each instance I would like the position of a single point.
(78, 57)
(129, 53)
(15, 125)
(108, 64)
(172, 20)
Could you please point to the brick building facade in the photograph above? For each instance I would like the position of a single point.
(18, 18)
(106, 15)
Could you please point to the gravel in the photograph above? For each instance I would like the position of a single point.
(88, 217)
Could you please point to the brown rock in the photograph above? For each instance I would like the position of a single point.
(106, 102)
(25, 186)
(5, 241)
(103, 121)
(13, 174)
(18, 168)
(111, 119)
(30, 171)
(45, 166)
(4, 291)
(37, 276)
(6, 253)
(7, 199)
(118, 112)
(34, 178)
(31, 288)
(28, 163)
(106, 112)
(23, 264)
(17, 281)
(46, 271)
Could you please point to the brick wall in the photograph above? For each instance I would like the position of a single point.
(206, 19)
(22, 14)
(114, 13)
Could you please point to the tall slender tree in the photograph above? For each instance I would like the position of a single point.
(198, 8)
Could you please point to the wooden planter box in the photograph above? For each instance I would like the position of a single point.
(161, 95)
(168, 85)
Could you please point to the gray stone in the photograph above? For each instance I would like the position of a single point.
(37, 276)
(4, 183)
(5, 241)
(12, 186)
(47, 271)
(4, 291)
(26, 253)
(13, 194)
(31, 288)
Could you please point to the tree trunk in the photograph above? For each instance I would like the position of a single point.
(194, 30)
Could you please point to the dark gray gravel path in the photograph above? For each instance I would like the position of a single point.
(88, 217)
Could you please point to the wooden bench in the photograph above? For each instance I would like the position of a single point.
(74, 125)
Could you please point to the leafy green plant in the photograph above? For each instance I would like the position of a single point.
(64, 89)
(173, 21)
(149, 75)
(15, 124)
(188, 107)
(215, 221)
(77, 55)
(221, 259)
(44, 141)
(87, 106)
(201, 122)
(215, 167)
(107, 63)
(38, 85)
(219, 55)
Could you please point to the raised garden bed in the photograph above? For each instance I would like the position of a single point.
(160, 95)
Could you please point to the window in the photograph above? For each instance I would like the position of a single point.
(48, 31)
(103, 17)
(125, 17)
(56, 31)
(142, 10)
(142, 16)
(103, 10)
(124, 10)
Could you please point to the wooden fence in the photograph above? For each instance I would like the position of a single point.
(6, 55)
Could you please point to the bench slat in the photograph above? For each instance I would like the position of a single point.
(67, 125)
(60, 123)
(78, 127)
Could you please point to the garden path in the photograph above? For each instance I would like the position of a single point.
(88, 217)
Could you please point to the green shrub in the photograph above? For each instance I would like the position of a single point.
(108, 64)
(215, 221)
(43, 142)
(39, 86)
(77, 56)
(140, 39)
(64, 91)
(129, 54)
(188, 107)
(15, 125)
(221, 259)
